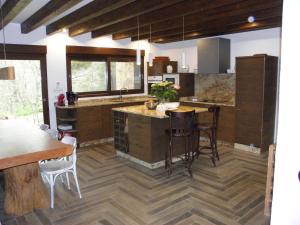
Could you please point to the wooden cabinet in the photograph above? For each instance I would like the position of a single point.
(187, 84)
(91, 122)
(226, 129)
(67, 116)
(256, 86)
(159, 68)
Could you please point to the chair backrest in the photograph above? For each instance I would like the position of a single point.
(44, 126)
(53, 133)
(71, 141)
(181, 123)
(215, 110)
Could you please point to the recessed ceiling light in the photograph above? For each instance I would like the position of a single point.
(65, 30)
(251, 19)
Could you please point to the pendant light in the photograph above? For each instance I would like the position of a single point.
(138, 50)
(7, 72)
(183, 62)
(150, 56)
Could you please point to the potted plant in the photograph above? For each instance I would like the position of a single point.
(165, 91)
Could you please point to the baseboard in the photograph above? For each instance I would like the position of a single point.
(247, 148)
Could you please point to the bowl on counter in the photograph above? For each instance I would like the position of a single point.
(151, 104)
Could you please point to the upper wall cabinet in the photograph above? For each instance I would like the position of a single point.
(213, 55)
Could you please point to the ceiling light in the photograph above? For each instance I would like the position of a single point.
(183, 64)
(138, 50)
(7, 72)
(251, 19)
(150, 56)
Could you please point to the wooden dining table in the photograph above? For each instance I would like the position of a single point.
(22, 145)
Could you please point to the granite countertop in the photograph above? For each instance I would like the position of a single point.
(190, 100)
(144, 111)
(105, 101)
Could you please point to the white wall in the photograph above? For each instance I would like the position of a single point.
(242, 44)
(285, 209)
(56, 53)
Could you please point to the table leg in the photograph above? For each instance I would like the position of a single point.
(24, 190)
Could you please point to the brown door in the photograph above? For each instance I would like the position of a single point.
(249, 100)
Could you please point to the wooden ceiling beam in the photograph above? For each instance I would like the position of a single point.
(11, 8)
(249, 6)
(175, 10)
(90, 10)
(46, 13)
(126, 12)
(222, 29)
(238, 18)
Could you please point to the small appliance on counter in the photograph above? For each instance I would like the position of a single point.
(153, 80)
(61, 100)
(72, 97)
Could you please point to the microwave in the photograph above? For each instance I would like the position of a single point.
(172, 77)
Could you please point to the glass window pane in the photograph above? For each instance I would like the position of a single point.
(22, 98)
(125, 75)
(88, 76)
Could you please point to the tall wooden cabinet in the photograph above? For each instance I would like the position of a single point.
(256, 87)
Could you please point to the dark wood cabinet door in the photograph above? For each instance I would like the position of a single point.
(106, 121)
(249, 100)
(88, 123)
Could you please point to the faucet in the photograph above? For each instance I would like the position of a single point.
(122, 89)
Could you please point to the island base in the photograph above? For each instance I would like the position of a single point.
(24, 190)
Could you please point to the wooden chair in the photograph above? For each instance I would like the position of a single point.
(210, 130)
(181, 126)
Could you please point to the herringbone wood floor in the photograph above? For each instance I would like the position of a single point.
(116, 191)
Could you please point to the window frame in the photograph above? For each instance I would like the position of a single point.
(108, 55)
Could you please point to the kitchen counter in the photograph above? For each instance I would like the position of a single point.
(189, 100)
(139, 134)
(105, 101)
(144, 111)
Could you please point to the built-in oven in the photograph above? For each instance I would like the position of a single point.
(172, 77)
(153, 80)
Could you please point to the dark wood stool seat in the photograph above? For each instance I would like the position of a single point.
(210, 129)
(182, 126)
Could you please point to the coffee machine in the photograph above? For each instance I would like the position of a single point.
(72, 97)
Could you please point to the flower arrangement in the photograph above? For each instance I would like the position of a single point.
(165, 91)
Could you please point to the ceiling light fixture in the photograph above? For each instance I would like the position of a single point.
(251, 19)
(183, 63)
(150, 56)
(7, 72)
(138, 50)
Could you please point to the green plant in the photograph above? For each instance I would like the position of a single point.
(164, 91)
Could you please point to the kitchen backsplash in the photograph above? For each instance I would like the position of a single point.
(215, 87)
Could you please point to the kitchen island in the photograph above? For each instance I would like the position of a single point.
(139, 134)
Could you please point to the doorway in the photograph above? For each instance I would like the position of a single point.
(26, 97)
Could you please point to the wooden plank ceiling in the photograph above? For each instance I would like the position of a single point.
(202, 18)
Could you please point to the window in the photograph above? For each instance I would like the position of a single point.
(125, 74)
(88, 76)
(103, 71)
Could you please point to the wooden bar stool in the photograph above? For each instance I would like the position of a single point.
(181, 127)
(210, 129)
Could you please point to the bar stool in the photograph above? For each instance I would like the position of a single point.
(181, 126)
(210, 129)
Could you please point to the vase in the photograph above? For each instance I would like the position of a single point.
(169, 69)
